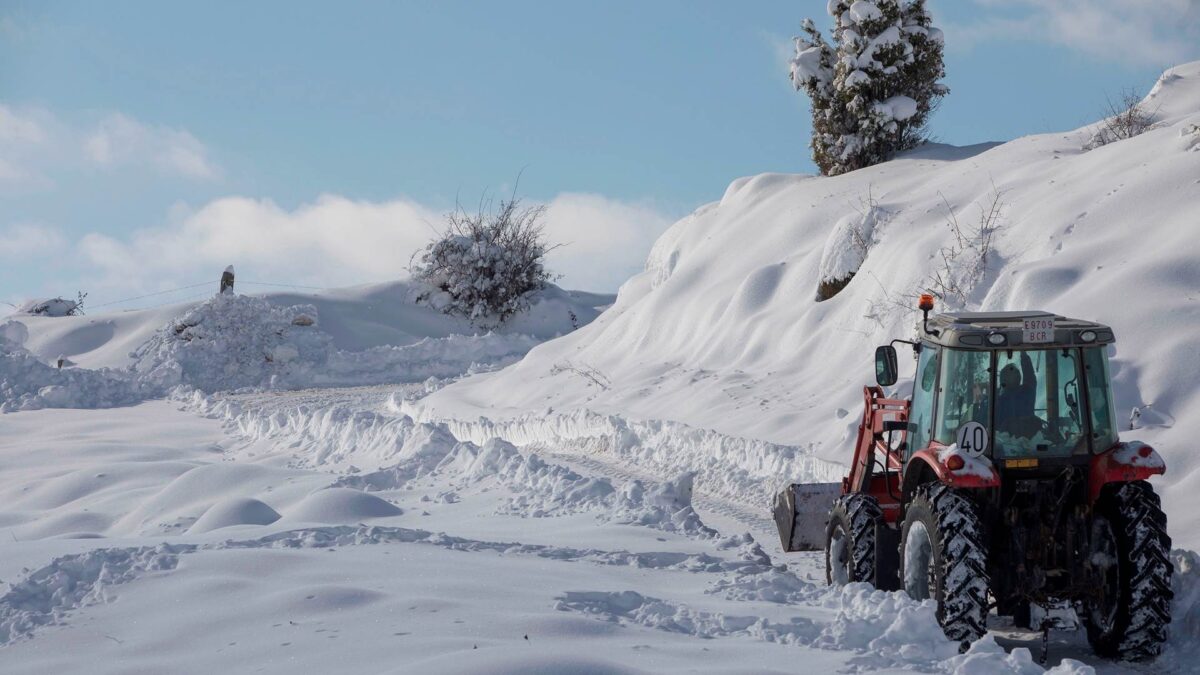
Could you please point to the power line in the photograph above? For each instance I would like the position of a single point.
(150, 295)
(264, 283)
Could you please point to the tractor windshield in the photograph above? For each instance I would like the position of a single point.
(1038, 403)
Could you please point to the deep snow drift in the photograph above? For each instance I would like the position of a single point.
(722, 331)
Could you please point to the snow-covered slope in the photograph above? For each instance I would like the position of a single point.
(722, 330)
(350, 337)
(357, 318)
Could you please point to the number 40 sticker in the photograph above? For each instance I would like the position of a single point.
(972, 439)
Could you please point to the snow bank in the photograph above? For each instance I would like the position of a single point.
(26, 383)
(732, 467)
(70, 582)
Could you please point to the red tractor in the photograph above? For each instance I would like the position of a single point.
(1000, 483)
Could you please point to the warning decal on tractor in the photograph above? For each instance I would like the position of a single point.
(1038, 330)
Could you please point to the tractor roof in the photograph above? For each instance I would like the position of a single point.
(971, 330)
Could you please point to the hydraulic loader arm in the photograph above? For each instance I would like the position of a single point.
(880, 417)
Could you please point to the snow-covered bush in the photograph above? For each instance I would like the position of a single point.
(873, 90)
(1124, 118)
(485, 266)
(847, 247)
(55, 306)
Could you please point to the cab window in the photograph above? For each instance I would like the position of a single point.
(966, 383)
(1100, 403)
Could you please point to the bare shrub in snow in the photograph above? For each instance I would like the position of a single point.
(963, 263)
(873, 91)
(1124, 118)
(485, 266)
(585, 371)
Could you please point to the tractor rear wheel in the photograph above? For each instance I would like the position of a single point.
(1130, 555)
(943, 557)
(850, 539)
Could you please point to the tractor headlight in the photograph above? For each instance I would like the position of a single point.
(1088, 336)
(996, 339)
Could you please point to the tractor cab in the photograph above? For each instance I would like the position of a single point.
(1012, 386)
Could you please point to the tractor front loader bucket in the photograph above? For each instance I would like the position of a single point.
(802, 513)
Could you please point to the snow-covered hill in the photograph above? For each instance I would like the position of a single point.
(347, 337)
(356, 318)
(723, 332)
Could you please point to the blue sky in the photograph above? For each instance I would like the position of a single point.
(148, 144)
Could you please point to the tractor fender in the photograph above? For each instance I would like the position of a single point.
(977, 474)
(1123, 463)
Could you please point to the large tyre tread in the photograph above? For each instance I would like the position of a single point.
(863, 514)
(963, 578)
(1140, 526)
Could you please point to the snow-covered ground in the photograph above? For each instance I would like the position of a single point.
(601, 505)
(181, 536)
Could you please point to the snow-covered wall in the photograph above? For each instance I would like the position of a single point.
(722, 330)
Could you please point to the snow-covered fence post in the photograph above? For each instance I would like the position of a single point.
(227, 280)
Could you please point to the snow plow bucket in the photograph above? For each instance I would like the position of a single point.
(802, 513)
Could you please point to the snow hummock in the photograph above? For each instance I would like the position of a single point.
(234, 511)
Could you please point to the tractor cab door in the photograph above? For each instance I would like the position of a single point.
(920, 416)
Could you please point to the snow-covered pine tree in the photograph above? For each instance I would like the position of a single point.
(872, 92)
(812, 71)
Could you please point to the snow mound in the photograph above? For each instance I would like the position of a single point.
(540, 489)
(234, 511)
(232, 342)
(51, 307)
(665, 506)
(340, 505)
(26, 383)
(1185, 616)
(235, 341)
(985, 657)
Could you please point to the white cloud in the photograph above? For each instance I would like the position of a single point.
(36, 145)
(19, 242)
(20, 127)
(336, 241)
(1142, 32)
(120, 140)
(604, 241)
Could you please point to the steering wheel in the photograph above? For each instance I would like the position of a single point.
(1024, 426)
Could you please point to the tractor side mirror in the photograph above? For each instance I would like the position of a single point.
(886, 370)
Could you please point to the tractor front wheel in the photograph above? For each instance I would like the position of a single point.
(1130, 560)
(943, 558)
(850, 539)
